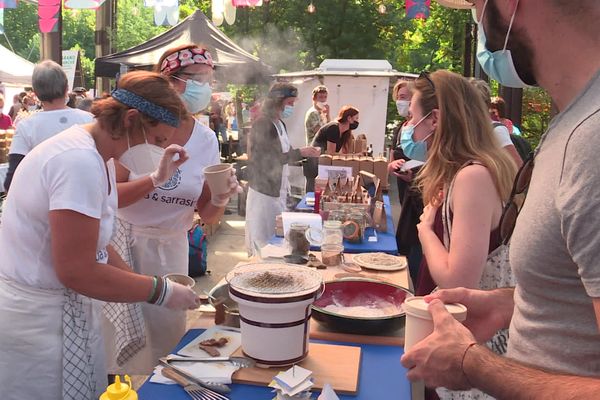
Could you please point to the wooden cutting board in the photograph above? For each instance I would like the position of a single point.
(337, 365)
(320, 332)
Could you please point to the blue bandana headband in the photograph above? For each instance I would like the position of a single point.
(146, 107)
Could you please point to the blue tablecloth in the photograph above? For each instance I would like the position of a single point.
(381, 377)
(386, 241)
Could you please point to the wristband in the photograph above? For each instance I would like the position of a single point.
(164, 296)
(154, 179)
(153, 292)
(220, 204)
(462, 362)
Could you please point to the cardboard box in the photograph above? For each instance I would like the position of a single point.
(325, 159)
(380, 170)
(366, 164)
(354, 162)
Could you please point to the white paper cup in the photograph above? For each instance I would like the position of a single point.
(217, 177)
(419, 323)
(181, 279)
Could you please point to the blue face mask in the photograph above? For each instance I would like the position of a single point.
(413, 150)
(287, 111)
(196, 95)
(499, 64)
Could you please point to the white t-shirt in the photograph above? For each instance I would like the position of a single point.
(66, 172)
(171, 206)
(502, 135)
(42, 125)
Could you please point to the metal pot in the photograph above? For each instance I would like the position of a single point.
(232, 313)
(353, 292)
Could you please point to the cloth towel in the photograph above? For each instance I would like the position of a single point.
(127, 318)
(79, 382)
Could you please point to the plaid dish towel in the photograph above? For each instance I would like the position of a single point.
(127, 318)
(79, 382)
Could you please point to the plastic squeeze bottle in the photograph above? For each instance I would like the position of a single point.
(119, 390)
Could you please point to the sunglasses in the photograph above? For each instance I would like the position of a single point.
(425, 75)
(512, 209)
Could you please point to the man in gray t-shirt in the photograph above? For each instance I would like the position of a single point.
(554, 312)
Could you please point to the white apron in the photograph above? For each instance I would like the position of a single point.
(32, 342)
(155, 252)
(262, 209)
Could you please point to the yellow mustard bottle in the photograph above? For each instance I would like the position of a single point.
(119, 390)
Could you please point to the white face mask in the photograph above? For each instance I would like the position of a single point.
(402, 106)
(141, 159)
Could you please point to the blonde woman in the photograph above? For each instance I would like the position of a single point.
(466, 179)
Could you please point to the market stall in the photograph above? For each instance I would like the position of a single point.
(234, 64)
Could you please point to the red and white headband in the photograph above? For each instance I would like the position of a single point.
(182, 58)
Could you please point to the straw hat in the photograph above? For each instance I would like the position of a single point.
(455, 3)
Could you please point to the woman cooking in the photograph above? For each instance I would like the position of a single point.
(336, 136)
(56, 259)
(270, 154)
(157, 213)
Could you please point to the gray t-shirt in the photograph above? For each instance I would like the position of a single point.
(555, 249)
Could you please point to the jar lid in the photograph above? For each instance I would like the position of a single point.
(332, 224)
(417, 306)
(274, 279)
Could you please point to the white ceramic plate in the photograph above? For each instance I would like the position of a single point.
(370, 261)
(215, 332)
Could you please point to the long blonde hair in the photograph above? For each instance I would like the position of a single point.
(464, 133)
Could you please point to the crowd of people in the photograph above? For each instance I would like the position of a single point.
(101, 194)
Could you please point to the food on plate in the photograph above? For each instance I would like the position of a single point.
(220, 342)
(211, 345)
(381, 261)
(212, 351)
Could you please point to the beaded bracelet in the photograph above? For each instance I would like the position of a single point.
(153, 292)
(462, 362)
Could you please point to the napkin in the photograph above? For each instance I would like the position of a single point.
(327, 393)
(209, 372)
(293, 384)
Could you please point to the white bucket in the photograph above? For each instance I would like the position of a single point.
(275, 326)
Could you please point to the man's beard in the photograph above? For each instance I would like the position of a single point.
(519, 45)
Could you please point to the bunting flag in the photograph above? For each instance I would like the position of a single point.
(8, 4)
(48, 15)
(247, 3)
(83, 4)
(229, 12)
(166, 12)
(418, 9)
(218, 12)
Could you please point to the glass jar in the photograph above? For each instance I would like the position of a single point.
(297, 240)
(354, 227)
(332, 233)
(337, 215)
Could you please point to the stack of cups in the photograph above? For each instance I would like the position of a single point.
(419, 325)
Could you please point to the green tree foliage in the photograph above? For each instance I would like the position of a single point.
(284, 35)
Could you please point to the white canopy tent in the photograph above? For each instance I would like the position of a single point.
(14, 69)
(15, 74)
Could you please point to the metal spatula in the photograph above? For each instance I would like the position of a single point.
(196, 392)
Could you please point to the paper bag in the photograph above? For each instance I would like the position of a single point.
(380, 217)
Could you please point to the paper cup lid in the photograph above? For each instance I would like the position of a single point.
(417, 306)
